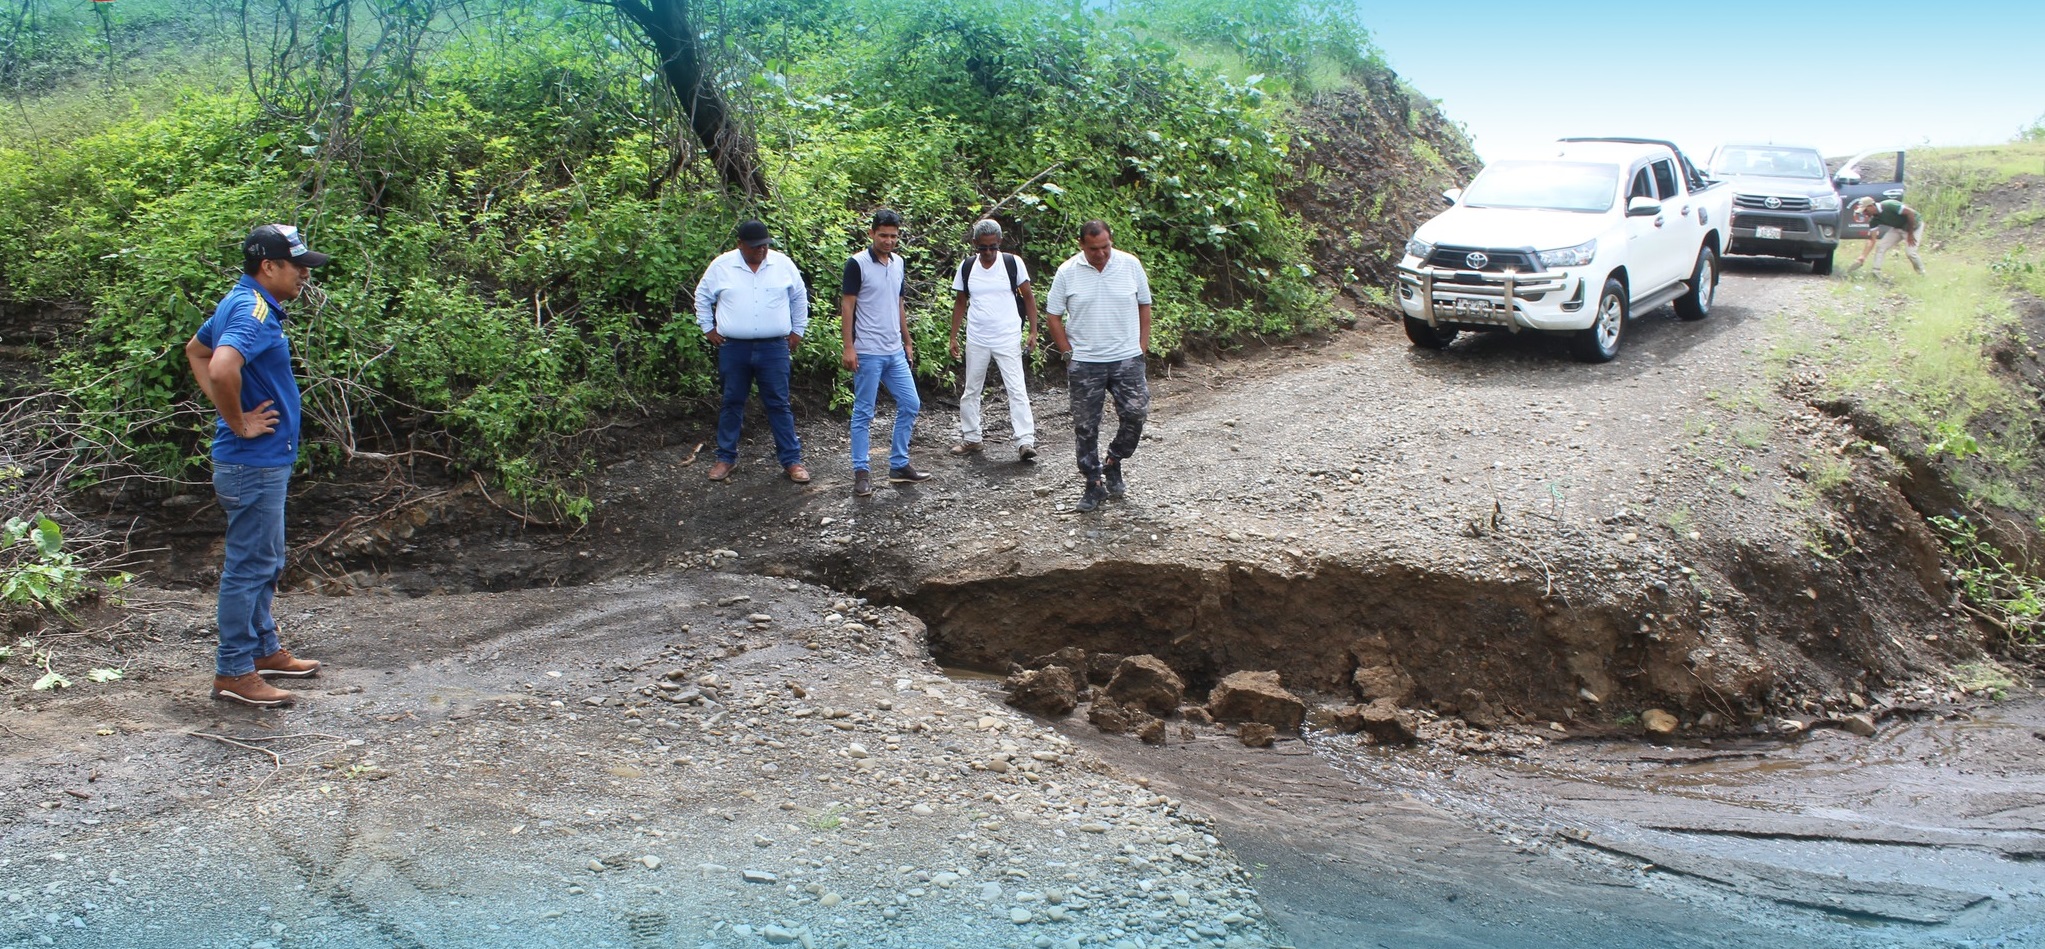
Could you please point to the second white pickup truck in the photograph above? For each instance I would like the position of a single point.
(1575, 240)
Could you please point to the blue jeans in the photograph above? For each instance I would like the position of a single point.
(891, 370)
(743, 362)
(253, 499)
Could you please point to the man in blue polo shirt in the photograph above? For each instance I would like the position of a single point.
(878, 349)
(243, 365)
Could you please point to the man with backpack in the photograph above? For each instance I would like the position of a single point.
(994, 302)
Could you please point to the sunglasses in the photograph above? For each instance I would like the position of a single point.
(983, 248)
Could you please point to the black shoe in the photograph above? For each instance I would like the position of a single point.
(1112, 474)
(907, 474)
(862, 483)
(1096, 494)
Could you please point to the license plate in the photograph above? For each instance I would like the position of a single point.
(1469, 307)
(1768, 233)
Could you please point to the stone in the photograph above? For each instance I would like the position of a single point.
(1382, 682)
(1151, 732)
(1478, 710)
(1145, 682)
(830, 899)
(650, 862)
(1256, 697)
(1101, 666)
(777, 935)
(1658, 722)
(1861, 724)
(922, 810)
(1110, 717)
(1052, 691)
(1195, 713)
(1386, 723)
(1071, 657)
(1018, 916)
(1256, 735)
(758, 876)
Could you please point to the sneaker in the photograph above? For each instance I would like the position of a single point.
(1111, 473)
(1096, 494)
(283, 664)
(862, 483)
(907, 474)
(966, 448)
(1026, 452)
(250, 689)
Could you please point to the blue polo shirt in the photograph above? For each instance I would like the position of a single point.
(251, 323)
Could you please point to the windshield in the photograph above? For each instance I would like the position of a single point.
(1549, 185)
(1774, 162)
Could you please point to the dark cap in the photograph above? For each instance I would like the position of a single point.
(280, 242)
(754, 234)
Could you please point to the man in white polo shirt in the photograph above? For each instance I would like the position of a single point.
(1099, 312)
(992, 295)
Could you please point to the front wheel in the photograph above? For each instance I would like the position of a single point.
(1822, 266)
(1429, 337)
(1696, 304)
(1600, 342)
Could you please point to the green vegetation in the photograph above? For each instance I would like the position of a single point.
(1997, 590)
(518, 221)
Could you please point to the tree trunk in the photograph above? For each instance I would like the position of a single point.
(666, 25)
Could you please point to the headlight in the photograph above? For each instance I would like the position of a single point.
(1824, 202)
(1576, 256)
(1420, 249)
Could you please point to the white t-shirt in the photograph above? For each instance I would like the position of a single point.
(992, 317)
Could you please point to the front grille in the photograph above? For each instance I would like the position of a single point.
(1770, 220)
(1500, 261)
(1760, 202)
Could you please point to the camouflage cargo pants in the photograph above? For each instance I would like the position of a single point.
(1089, 384)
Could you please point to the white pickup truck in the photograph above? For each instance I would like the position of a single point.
(1574, 240)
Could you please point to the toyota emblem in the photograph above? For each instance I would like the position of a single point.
(1773, 202)
(1476, 260)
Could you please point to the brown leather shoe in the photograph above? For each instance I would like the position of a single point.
(722, 470)
(250, 689)
(283, 663)
(966, 448)
(797, 474)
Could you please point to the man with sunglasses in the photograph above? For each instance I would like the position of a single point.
(992, 296)
(242, 362)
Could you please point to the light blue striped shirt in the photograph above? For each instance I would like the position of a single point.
(743, 303)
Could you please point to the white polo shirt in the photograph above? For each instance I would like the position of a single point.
(1099, 306)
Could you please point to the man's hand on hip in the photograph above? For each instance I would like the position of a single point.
(257, 422)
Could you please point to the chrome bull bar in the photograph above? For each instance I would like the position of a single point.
(1505, 288)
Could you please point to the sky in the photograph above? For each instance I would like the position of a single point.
(1838, 75)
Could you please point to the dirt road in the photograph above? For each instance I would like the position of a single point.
(616, 750)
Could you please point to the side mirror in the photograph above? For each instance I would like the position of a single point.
(1451, 196)
(1847, 176)
(1643, 207)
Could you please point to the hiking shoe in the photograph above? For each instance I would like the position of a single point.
(907, 474)
(1111, 473)
(966, 448)
(282, 664)
(862, 483)
(722, 470)
(1026, 452)
(1096, 494)
(250, 689)
(797, 473)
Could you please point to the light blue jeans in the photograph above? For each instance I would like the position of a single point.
(253, 499)
(891, 370)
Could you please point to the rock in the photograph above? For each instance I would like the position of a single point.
(1658, 722)
(990, 892)
(1790, 726)
(1052, 691)
(650, 862)
(1256, 697)
(1196, 713)
(1110, 717)
(759, 876)
(1386, 723)
(1478, 710)
(1018, 916)
(1382, 682)
(1145, 682)
(830, 899)
(1071, 657)
(1151, 732)
(777, 935)
(1861, 724)
(1709, 721)
(1256, 735)
(1101, 666)
(922, 810)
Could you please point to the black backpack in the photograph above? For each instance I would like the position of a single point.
(1014, 287)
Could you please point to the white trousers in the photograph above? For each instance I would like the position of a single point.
(1891, 236)
(1009, 358)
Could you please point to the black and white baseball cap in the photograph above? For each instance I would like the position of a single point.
(280, 242)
